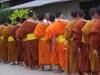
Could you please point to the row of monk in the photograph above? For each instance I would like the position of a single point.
(73, 45)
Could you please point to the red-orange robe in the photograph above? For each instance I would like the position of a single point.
(59, 53)
(84, 63)
(18, 43)
(2, 44)
(44, 49)
(95, 41)
(86, 40)
(6, 35)
(72, 56)
(30, 46)
(12, 48)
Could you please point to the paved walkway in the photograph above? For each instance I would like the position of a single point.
(7, 69)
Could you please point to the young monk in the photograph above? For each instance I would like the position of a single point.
(20, 57)
(77, 36)
(25, 32)
(72, 56)
(20, 42)
(95, 40)
(12, 52)
(5, 40)
(58, 52)
(17, 44)
(44, 49)
(86, 39)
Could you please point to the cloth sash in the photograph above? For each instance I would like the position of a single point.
(30, 36)
(60, 38)
(43, 38)
(11, 38)
(1, 37)
(85, 38)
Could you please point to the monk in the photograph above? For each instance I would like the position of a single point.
(20, 42)
(72, 56)
(25, 32)
(20, 51)
(56, 30)
(83, 58)
(95, 39)
(44, 49)
(5, 40)
(12, 52)
(86, 39)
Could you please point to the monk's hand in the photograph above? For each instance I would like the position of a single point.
(65, 48)
(79, 50)
(95, 52)
(65, 43)
(53, 48)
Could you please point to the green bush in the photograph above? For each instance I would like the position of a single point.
(22, 13)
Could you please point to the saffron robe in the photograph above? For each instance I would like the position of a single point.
(20, 50)
(44, 48)
(95, 42)
(86, 39)
(72, 54)
(2, 44)
(59, 53)
(12, 48)
(31, 46)
(82, 52)
(6, 35)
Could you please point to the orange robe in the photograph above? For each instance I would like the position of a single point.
(59, 53)
(44, 49)
(80, 47)
(30, 46)
(72, 56)
(20, 50)
(12, 48)
(49, 37)
(2, 44)
(6, 35)
(86, 40)
(95, 42)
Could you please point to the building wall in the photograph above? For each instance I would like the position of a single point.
(53, 8)
(66, 7)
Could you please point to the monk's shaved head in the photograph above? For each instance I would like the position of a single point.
(74, 13)
(98, 11)
(59, 14)
(40, 17)
(52, 18)
(80, 13)
(92, 11)
(18, 19)
(30, 14)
